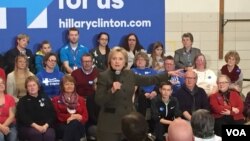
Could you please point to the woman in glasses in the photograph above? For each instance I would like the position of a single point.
(50, 77)
(226, 105)
(100, 53)
(132, 46)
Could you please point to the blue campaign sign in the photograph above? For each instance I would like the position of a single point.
(50, 19)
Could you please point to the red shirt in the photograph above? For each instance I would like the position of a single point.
(2, 74)
(61, 109)
(218, 105)
(84, 82)
(4, 109)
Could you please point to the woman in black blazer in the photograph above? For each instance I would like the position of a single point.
(115, 89)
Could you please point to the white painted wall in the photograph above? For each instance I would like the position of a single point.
(201, 17)
(201, 6)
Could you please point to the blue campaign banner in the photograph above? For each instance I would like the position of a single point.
(50, 19)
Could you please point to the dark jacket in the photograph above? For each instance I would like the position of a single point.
(100, 61)
(38, 109)
(10, 59)
(158, 111)
(191, 101)
(115, 106)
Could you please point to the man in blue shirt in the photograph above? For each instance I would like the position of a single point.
(71, 53)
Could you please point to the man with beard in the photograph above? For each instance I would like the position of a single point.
(72, 52)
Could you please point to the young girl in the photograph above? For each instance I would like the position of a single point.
(157, 57)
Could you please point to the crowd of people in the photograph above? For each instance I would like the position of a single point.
(118, 93)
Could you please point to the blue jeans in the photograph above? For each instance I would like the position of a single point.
(12, 136)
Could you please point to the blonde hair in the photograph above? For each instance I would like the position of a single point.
(16, 69)
(115, 50)
(22, 36)
(225, 76)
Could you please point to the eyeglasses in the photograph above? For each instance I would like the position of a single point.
(52, 61)
(222, 82)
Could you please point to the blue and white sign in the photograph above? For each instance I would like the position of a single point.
(50, 19)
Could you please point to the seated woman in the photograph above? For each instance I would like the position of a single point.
(226, 105)
(71, 111)
(165, 109)
(16, 79)
(50, 77)
(35, 114)
(206, 78)
(144, 93)
(7, 116)
(156, 59)
(232, 70)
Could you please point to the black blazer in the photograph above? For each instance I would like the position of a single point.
(10, 59)
(114, 106)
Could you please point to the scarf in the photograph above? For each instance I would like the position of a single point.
(225, 96)
(70, 102)
(233, 75)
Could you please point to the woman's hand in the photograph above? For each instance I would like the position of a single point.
(225, 112)
(235, 110)
(178, 72)
(45, 126)
(74, 117)
(150, 95)
(39, 128)
(77, 117)
(116, 86)
(4, 129)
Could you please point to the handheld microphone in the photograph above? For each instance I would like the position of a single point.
(117, 76)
